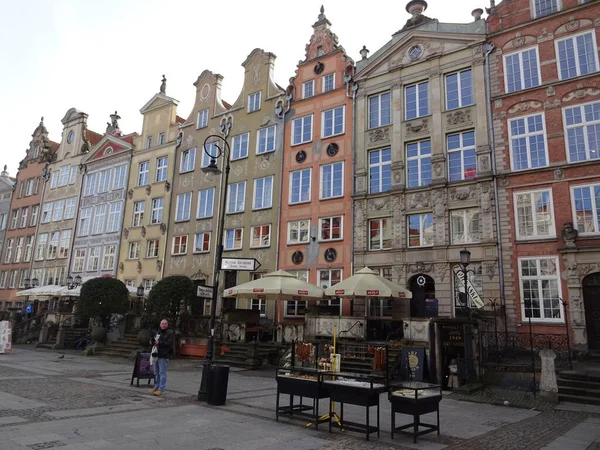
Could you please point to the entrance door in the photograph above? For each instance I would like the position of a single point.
(591, 302)
(422, 286)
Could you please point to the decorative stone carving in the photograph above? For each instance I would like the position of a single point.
(159, 265)
(162, 228)
(416, 127)
(167, 186)
(143, 231)
(199, 275)
(550, 91)
(571, 270)
(378, 135)
(139, 266)
(573, 25)
(126, 232)
(585, 269)
(148, 189)
(459, 117)
(418, 200)
(486, 197)
(360, 183)
(420, 267)
(504, 181)
(440, 203)
(130, 194)
(580, 93)
(524, 106)
(518, 41)
(379, 204)
(441, 271)
(559, 173)
(490, 269)
(437, 170)
(121, 267)
(569, 235)
(462, 194)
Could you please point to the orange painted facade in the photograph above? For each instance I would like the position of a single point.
(315, 235)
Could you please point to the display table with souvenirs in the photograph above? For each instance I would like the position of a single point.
(354, 389)
(301, 382)
(415, 398)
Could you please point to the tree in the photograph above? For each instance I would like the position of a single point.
(102, 297)
(170, 296)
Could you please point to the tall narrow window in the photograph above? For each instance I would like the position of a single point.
(577, 55)
(462, 161)
(85, 217)
(528, 142)
(380, 170)
(183, 207)
(582, 124)
(302, 130)
(236, 197)
(34, 215)
(9, 251)
(534, 212)
(263, 193)
(254, 102)
(138, 214)
(79, 260)
(28, 248)
(239, 146)
(420, 230)
(143, 170)
(329, 82)
(332, 180)
(459, 89)
(586, 205)
(416, 100)
(161, 138)
(90, 183)
(53, 245)
(380, 234)
(152, 246)
(205, 203)
(65, 244)
(93, 262)
(119, 177)
(158, 205)
(540, 288)
(161, 168)
(104, 181)
(266, 140)
(333, 122)
(300, 186)
(133, 251)
(24, 217)
(380, 110)
(40, 248)
(19, 249)
(70, 204)
(522, 70)
(202, 119)
(99, 216)
(418, 164)
(149, 142)
(188, 160)
(114, 217)
(59, 207)
(308, 89)
(47, 212)
(233, 239)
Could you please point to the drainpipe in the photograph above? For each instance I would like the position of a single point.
(354, 87)
(488, 47)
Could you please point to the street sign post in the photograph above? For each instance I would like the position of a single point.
(471, 291)
(242, 264)
(204, 292)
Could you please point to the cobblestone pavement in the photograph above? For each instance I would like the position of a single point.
(83, 403)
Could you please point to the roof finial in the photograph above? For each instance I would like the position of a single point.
(42, 120)
(322, 15)
(5, 171)
(163, 85)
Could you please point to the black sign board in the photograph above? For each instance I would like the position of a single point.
(142, 369)
(431, 307)
(453, 335)
(413, 364)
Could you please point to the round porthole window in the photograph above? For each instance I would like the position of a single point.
(297, 257)
(415, 52)
(70, 137)
(330, 255)
(301, 156)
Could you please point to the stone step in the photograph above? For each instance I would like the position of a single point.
(577, 383)
(573, 375)
(578, 399)
(583, 392)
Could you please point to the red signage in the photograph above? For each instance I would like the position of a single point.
(402, 294)
(296, 298)
(340, 292)
(302, 292)
(373, 292)
(258, 290)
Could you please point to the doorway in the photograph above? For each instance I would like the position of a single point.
(591, 303)
(422, 287)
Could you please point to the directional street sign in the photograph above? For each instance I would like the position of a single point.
(243, 264)
(204, 292)
(471, 291)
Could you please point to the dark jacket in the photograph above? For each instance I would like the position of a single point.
(165, 342)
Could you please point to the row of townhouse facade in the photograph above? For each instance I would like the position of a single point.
(481, 135)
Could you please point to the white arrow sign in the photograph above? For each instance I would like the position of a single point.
(471, 291)
(244, 264)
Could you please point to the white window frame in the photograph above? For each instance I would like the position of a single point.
(24, 217)
(181, 246)
(93, 259)
(148, 142)
(261, 237)
(326, 78)
(204, 210)
(417, 101)
(584, 124)
(73, 175)
(324, 285)
(113, 223)
(104, 181)
(297, 225)
(30, 187)
(422, 160)
(70, 206)
(143, 177)
(462, 150)
(183, 207)
(202, 121)
(40, 247)
(108, 258)
(240, 240)
(133, 250)
(64, 243)
(156, 214)
(334, 124)
(239, 146)
(299, 139)
(19, 248)
(85, 220)
(266, 137)
(47, 212)
(90, 184)
(520, 54)
(53, 241)
(54, 179)
(527, 135)
(137, 216)
(59, 208)
(28, 248)
(8, 252)
(264, 201)
(327, 190)
(576, 53)
(595, 215)
(310, 83)
(120, 175)
(209, 149)
(536, 15)
(254, 101)
(154, 245)
(35, 212)
(162, 164)
(381, 120)
(188, 160)
(555, 277)
(239, 205)
(303, 197)
(381, 166)
(531, 195)
(63, 178)
(98, 222)
(382, 246)
(161, 138)
(330, 219)
(79, 259)
(461, 102)
(422, 218)
(466, 217)
(14, 220)
(201, 236)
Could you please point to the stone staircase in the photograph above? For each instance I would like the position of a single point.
(121, 348)
(240, 354)
(581, 385)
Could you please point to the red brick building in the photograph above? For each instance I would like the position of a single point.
(545, 104)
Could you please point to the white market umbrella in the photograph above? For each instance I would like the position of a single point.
(367, 283)
(278, 285)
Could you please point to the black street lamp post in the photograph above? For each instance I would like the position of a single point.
(219, 147)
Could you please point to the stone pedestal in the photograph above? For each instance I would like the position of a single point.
(548, 385)
(43, 335)
(60, 339)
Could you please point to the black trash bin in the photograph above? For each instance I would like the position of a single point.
(217, 380)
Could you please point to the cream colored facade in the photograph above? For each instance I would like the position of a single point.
(253, 128)
(143, 244)
(423, 188)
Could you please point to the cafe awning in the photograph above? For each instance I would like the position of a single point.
(367, 283)
(278, 285)
(50, 290)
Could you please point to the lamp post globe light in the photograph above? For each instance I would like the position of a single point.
(72, 283)
(215, 146)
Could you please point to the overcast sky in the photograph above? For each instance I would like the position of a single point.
(102, 56)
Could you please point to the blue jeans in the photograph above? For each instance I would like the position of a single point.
(160, 374)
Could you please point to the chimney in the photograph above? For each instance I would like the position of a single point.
(416, 7)
(477, 14)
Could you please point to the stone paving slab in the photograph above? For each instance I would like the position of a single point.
(15, 402)
(95, 411)
(10, 420)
